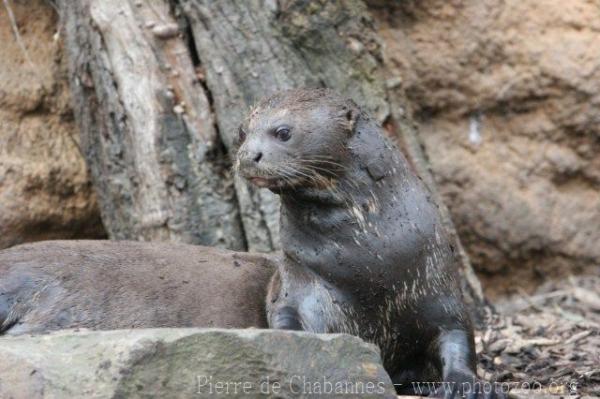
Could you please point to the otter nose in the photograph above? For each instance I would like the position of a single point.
(257, 157)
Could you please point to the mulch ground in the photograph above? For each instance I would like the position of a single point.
(547, 343)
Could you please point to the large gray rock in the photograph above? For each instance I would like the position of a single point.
(172, 363)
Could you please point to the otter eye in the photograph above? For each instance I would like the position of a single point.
(283, 133)
(241, 135)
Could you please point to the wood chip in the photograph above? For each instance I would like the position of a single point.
(165, 31)
(578, 336)
(588, 297)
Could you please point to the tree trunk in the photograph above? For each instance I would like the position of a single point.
(147, 129)
(152, 125)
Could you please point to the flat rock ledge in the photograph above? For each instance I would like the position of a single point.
(187, 363)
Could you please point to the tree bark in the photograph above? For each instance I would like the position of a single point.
(153, 159)
(251, 49)
(147, 129)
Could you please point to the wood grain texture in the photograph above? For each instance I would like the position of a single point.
(147, 129)
(251, 49)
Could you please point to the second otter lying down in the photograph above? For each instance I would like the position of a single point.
(122, 284)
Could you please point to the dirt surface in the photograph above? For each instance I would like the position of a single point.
(44, 188)
(508, 99)
(548, 341)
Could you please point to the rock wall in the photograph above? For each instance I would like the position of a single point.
(44, 188)
(508, 95)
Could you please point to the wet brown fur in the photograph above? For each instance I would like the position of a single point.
(119, 284)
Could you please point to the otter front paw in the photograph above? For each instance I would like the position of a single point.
(469, 387)
(285, 318)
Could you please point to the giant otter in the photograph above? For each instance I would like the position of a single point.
(364, 248)
(119, 284)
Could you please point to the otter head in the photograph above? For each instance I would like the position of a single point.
(296, 138)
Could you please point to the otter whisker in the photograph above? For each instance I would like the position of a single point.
(313, 176)
(320, 168)
(304, 171)
(320, 161)
(292, 172)
(334, 190)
